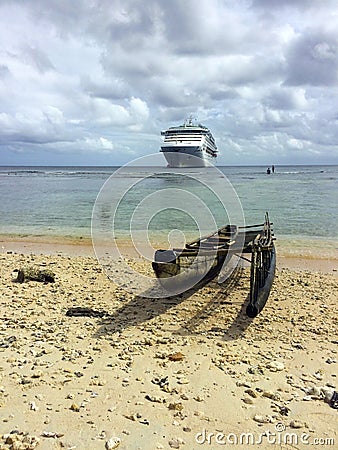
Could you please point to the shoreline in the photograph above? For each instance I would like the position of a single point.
(294, 254)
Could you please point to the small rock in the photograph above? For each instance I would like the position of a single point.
(133, 417)
(177, 406)
(315, 391)
(18, 441)
(255, 370)
(183, 381)
(306, 378)
(331, 361)
(98, 382)
(243, 384)
(175, 443)
(176, 356)
(75, 407)
(263, 419)
(51, 434)
(296, 424)
(37, 374)
(153, 398)
(144, 422)
(318, 375)
(162, 382)
(33, 407)
(283, 410)
(248, 400)
(112, 443)
(101, 435)
(271, 395)
(251, 392)
(275, 366)
(327, 392)
(9, 439)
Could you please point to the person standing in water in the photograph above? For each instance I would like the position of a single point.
(273, 169)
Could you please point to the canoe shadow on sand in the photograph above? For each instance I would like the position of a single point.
(221, 299)
(142, 309)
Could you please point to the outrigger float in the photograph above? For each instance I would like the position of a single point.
(202, 260)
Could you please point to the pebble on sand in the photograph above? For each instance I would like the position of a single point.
(275, 366)
(113, 442)
(176, 356)
(296, 424)
(263, 419)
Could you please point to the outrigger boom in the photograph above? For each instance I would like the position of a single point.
(201, 260)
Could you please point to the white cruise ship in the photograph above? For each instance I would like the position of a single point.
(189, 145)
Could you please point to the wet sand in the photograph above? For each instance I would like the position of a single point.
(182, 372)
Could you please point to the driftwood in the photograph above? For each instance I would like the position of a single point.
(34, 274)
(78, 311)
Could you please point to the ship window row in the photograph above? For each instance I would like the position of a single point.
(186, 130)
(210, 139)
(211, 142)
(182, 139)
(184, 134)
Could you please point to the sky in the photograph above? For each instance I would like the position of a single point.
(93, 82)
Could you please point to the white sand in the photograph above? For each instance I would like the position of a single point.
(88, 379)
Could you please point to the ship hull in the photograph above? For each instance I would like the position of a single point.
(187, 157)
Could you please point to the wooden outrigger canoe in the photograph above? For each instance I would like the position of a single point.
(200, 261)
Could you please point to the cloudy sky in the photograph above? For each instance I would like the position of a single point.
(95, 81)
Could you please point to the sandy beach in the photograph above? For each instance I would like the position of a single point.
(183, 372)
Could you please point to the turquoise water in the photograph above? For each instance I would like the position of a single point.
(58, 201)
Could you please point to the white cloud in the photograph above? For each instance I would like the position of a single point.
(100, 144)
(295, 143)
(104, 75)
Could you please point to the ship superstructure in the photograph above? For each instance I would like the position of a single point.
(189, 145)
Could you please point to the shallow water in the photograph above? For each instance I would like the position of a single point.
(301, 200)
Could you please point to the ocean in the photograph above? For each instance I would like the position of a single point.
(302, 201)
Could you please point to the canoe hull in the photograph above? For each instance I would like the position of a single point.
(179, 273)
(179, 270)
(260, 294)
